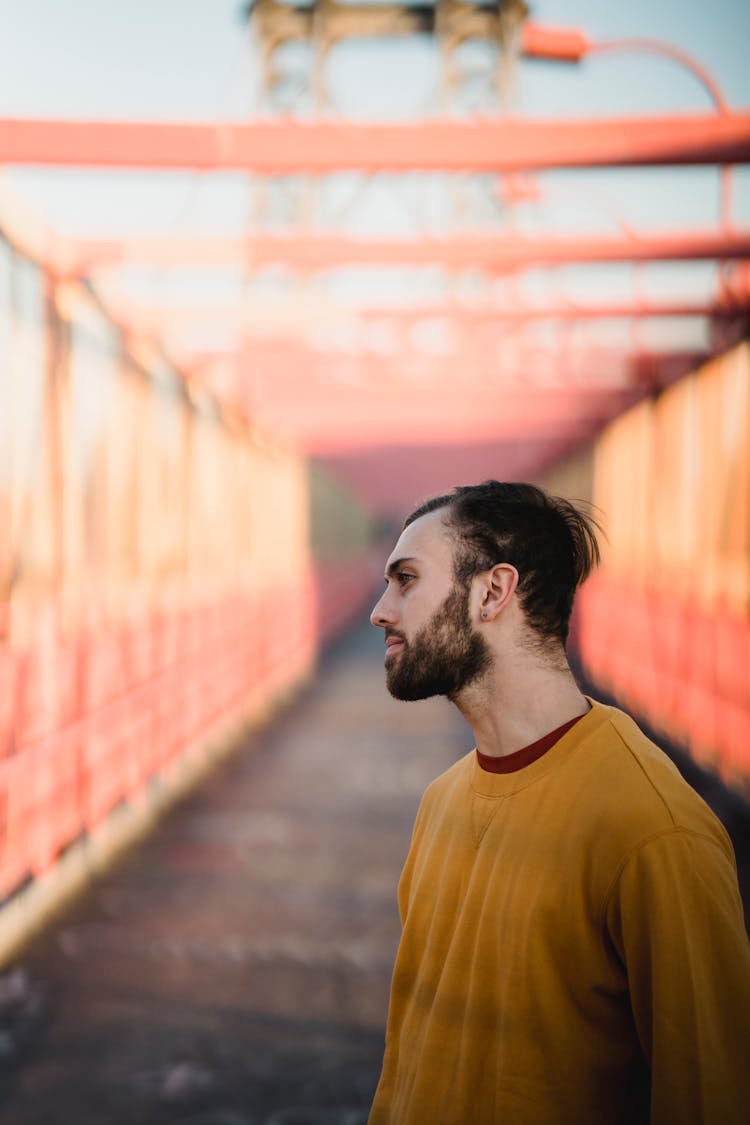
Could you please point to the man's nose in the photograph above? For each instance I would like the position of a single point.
(382, 614)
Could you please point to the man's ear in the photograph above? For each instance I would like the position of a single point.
(498, 587)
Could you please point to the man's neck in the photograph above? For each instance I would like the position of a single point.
(512, 707)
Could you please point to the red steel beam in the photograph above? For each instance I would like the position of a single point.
(284, 375)
(289, 315)
(320, 147)
(329, 401)
(492, 253)
(363, 414)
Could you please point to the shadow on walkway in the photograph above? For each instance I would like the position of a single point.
(234, 968)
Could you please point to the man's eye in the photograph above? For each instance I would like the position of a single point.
(404, 577)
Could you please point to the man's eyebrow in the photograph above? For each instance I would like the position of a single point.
(394, 566)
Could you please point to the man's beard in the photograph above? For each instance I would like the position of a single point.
(445, 656)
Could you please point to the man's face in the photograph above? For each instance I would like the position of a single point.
(432, 647)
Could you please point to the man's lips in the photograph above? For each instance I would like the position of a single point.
(393, 644)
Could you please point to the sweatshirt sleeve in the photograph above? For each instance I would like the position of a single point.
(675, 919)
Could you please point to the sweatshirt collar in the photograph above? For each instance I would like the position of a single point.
(504, 784)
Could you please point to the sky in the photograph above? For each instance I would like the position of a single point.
(183, 59)
(191, 60)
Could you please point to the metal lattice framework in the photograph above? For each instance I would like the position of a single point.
(475, 367)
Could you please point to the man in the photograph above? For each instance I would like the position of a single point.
(573, 948)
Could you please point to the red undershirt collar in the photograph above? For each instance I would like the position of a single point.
(509, 763)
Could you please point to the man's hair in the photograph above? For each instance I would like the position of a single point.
(550, 542)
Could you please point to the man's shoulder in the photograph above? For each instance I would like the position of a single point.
(450, 782)
(639, 786)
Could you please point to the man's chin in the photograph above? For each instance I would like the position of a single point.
(411, 693)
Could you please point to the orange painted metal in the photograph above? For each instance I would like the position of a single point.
(673, 478)
(291, 317)
(328, 402)
(415, 423)
(287, 147)
(665, 624)
(9, 680)
(497, 253)
(225, 659)
(162, 582)
(558, 44)
(683, 667)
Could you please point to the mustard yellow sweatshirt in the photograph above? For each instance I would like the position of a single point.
(573, 948)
